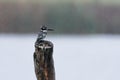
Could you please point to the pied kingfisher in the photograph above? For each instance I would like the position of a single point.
(43, 32)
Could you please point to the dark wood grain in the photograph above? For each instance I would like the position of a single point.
(43, 60)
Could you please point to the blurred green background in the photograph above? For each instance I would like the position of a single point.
(66, 16)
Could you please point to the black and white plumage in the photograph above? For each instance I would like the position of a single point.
(43, 32)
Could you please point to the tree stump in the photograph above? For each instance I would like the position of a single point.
(43, 60)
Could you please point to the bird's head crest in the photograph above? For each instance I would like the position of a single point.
(45, 28)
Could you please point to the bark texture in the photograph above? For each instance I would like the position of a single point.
(43, 60)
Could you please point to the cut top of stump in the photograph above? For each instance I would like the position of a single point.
(43, 44)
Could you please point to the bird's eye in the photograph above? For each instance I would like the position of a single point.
(43, 28)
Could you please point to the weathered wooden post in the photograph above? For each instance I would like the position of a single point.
(43, 60)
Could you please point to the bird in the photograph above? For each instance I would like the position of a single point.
(41, 36)
(43, 32)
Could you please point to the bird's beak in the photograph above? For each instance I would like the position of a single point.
(50, 29)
